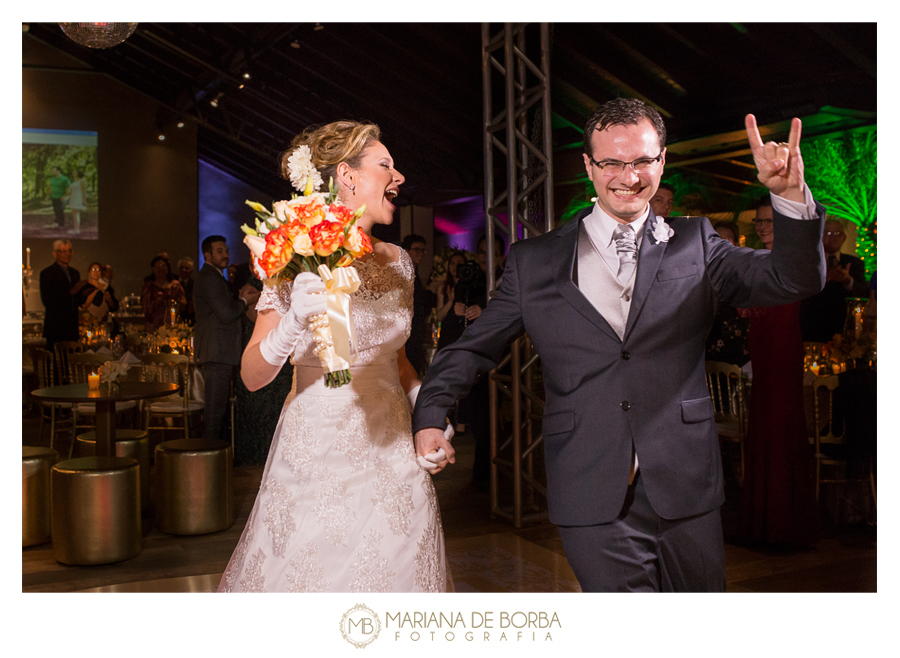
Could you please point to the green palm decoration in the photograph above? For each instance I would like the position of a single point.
(842, 173)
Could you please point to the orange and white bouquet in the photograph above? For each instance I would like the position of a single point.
(313, 232)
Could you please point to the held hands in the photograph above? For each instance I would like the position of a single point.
(432, 459)
(433, 449)
(780, 164)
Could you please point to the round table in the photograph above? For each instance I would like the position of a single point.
(105, 401)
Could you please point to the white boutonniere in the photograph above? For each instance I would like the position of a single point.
(661, 231)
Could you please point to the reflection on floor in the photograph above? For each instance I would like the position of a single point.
(485, 554)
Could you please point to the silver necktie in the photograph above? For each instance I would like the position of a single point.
(626, 250)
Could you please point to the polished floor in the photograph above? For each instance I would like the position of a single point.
(485, 554)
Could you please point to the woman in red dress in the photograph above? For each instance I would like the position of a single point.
(778, 504)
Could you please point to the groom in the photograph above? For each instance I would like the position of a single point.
(618, 304)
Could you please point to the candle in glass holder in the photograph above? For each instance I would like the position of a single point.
(93, 381)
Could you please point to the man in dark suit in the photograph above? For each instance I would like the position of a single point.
(217, 333)
(823, 315)
(60, 307)
(620, 319)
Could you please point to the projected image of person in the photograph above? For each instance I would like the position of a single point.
(58, 190)
(77, 200)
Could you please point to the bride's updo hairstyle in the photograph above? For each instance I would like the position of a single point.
(332, 144)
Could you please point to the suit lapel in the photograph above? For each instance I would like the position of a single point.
(649, 258)
(563, 267)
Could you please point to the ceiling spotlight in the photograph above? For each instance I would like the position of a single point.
(162, 137)
(180, 124)
(295, 44)
(240, 86)
(246, 76)
(215, 101)
(318, 26)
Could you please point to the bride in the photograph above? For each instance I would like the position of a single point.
(343, 505)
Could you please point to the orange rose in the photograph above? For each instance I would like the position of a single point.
(358, 242)
(343, 214)
(327, 237)
(344, 261)
(278, 252)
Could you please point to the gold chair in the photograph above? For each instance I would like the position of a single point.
(63, 349)
(43, 366)
(726, 388)
(824, 432)
(36, 465)
(80, 366)
(171, 369)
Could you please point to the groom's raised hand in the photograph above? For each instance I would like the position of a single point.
(780, 164)
(432, 439)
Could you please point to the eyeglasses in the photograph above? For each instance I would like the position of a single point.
(616, 167)
(833, 234)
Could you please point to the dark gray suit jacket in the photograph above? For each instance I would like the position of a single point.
(604, 394)
(217, 332)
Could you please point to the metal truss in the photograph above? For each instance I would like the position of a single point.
(518, 186)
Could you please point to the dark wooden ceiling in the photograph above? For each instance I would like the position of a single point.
(422, 84)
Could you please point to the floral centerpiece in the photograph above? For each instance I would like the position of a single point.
(313, 233)
(174, 337)
(112, 370)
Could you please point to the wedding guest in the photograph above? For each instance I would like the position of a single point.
(778, 501)
(423, 304)
(727, 341)
(217, 334)
(60, 305)
(158, 293)
(186, 279)
(663, 200)
(256, 413)
(823, 315)
(93, 296)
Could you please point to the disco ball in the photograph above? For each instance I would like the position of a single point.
(98, 35)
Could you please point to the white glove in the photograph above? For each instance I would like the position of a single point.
(431, 458)
(306, 301)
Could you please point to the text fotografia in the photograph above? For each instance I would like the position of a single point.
(478, 626)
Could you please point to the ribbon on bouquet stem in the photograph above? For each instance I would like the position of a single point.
(340, 283)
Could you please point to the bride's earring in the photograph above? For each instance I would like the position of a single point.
(353, 189)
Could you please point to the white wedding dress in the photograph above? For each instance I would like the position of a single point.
(343, 505)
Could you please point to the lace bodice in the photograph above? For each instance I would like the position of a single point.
(382, 310)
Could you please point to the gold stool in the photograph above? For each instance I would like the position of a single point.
(129, 443)
(193, 485)
(36, 465)
(96, 510)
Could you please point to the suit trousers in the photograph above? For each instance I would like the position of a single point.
(217, 379)
(642, 552)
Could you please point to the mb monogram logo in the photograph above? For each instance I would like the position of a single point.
(360, 626)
